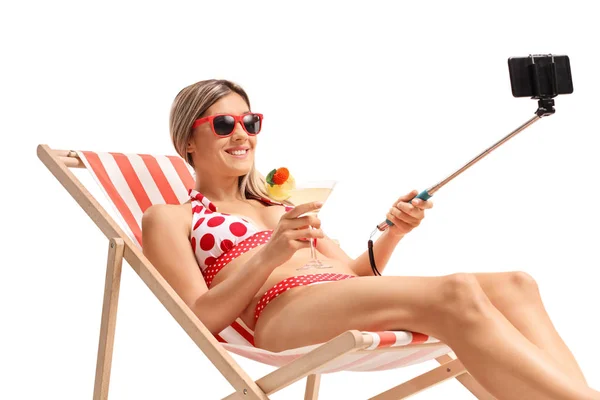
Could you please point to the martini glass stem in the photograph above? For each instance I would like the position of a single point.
(315, 262)
(313, 251)
(305, 193)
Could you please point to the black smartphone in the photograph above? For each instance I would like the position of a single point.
(540, 76)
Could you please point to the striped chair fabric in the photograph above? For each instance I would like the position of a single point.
(134, 182)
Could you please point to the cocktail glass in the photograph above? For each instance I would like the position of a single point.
(306, 192)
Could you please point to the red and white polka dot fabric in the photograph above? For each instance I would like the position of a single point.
(294, 281)
(255, 240)
(217, 238)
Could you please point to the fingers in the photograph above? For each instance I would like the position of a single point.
(302, 209)
(301, 244)
(304, 222)
(408, 196)
(398, 223)
(406, 216)
(410, 210)
(422, 204)
(411, 199)
(306, 233)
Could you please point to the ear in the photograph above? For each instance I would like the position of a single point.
(191, 146)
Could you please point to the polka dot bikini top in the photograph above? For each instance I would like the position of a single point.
(217, 238)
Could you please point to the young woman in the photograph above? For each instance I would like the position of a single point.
(232, 252)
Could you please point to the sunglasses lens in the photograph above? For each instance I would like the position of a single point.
(223, 125)
(252, 123)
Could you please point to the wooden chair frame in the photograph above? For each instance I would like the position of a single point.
(122, 247)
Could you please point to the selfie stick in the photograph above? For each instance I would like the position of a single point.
(545, 108)
(538, 87)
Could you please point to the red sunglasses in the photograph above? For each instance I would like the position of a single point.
(223, 125)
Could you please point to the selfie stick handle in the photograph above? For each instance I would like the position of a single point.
(545, 108)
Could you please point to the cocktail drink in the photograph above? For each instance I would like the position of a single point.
(309, 194)
(306, 192)
(281, 185)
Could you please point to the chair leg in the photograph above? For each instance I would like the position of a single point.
(313, 382)
(422, 382)
(109, 318)
(467, 380)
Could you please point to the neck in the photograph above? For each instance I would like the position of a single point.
(217, 187)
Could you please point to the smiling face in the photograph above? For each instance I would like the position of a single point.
(231, 156)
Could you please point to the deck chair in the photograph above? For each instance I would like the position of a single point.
(133, 182)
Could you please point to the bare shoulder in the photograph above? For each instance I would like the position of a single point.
(167, 217)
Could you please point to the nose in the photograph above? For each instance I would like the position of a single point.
(239, 133)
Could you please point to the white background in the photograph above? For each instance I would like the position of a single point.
(384, 97)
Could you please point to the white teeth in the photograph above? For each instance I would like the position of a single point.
(238, 152)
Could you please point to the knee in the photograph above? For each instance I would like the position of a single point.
(462, 299)
(522, 286)
(522, 281)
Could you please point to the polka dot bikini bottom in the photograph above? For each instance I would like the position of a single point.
(291, 282)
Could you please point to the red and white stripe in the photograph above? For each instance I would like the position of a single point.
(134, 182)
(357, 361)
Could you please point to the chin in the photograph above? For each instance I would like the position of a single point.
(240, 170)
(238, 167)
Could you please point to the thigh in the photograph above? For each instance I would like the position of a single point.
(317, 313)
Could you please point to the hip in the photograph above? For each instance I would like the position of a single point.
(285, 272)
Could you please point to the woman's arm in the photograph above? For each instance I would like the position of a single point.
(331, 249)
(167, 246)
(405, 215)
(383, 248)
(221, 305)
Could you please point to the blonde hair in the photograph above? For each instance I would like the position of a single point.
(189, 105)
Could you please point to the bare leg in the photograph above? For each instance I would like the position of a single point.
(517, 297)
(452, 308)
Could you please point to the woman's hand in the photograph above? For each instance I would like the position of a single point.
(407, 215)
(291, 233)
